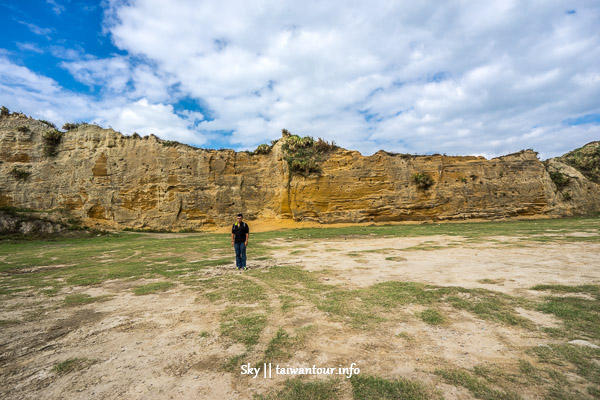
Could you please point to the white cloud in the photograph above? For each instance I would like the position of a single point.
(146, 118)
(42, 97)
(457, 77)
(417, 76)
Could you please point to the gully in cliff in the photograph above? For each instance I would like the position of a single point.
(239, 240)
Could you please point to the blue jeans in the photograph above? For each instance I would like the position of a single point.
(240, 255)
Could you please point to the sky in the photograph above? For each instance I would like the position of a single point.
(453, 77)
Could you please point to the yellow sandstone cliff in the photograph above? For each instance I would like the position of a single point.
(108, 179)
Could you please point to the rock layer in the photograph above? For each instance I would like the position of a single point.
(108, 179)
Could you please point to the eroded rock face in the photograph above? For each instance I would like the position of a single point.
(109, 179)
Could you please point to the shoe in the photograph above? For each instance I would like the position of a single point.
(245, 269)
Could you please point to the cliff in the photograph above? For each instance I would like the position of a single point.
(108, 179)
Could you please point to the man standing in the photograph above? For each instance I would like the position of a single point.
(239, 240)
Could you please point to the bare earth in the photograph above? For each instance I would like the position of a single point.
(167, 345)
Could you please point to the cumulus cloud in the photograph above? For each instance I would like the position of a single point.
(456, 77)
(27, 91)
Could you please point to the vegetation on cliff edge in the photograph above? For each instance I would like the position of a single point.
(304, 154)
(586, 160)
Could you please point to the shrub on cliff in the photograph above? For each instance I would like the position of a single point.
(423, 180)
(69, 126)
(4, 112)
(20, 174)
(51, 141)
(262, 149)
(586, 160)
(560, 180)
(304, 154)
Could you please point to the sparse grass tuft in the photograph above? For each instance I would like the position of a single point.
(70, 365)
(477, 387)
(371, 387)
(81, 298)
(153, 288)
(295, 389)
(242, 325)
(432, 317)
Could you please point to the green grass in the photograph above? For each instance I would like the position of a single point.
(580, 316)
(71, 365)
(295, 389)
(247, 300)
(469, 230)
(432, 317)
(371, 387)
(243, 325)
(282, 345)
(153, 288)
(81, 299)
(478, 387)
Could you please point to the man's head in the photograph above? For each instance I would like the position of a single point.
(240, 217)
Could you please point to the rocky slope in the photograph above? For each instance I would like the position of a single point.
(108, 179)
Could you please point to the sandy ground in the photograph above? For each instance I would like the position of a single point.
(167, 345)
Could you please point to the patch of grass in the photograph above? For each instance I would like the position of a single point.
(70, 365)
(295, 389)
(372, 387)
(287, 302)
(432, 317)
(82, 298)
(492, 306)
(580, 316)
(153, 288)
(491, 281)
(5, 323)
(585, 360)
(282, 345)
(204, 334)
(232, 364)
(233, 288)
(242, 325)
(395, 258)
(406, 336)
(477, 387)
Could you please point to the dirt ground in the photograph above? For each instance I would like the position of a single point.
(167, 345)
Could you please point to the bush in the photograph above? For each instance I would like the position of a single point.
(23, 129)
(51, 141)
(169, 143)
(304, 154)
(262, 149)
(4, 112)
(423, 180)
(560, 180)
(50, 124)
(20, 174)
(72, 126)
(567, 195)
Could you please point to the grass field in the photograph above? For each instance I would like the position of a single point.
(78, 312)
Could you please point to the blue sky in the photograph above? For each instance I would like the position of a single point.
(452, 77)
